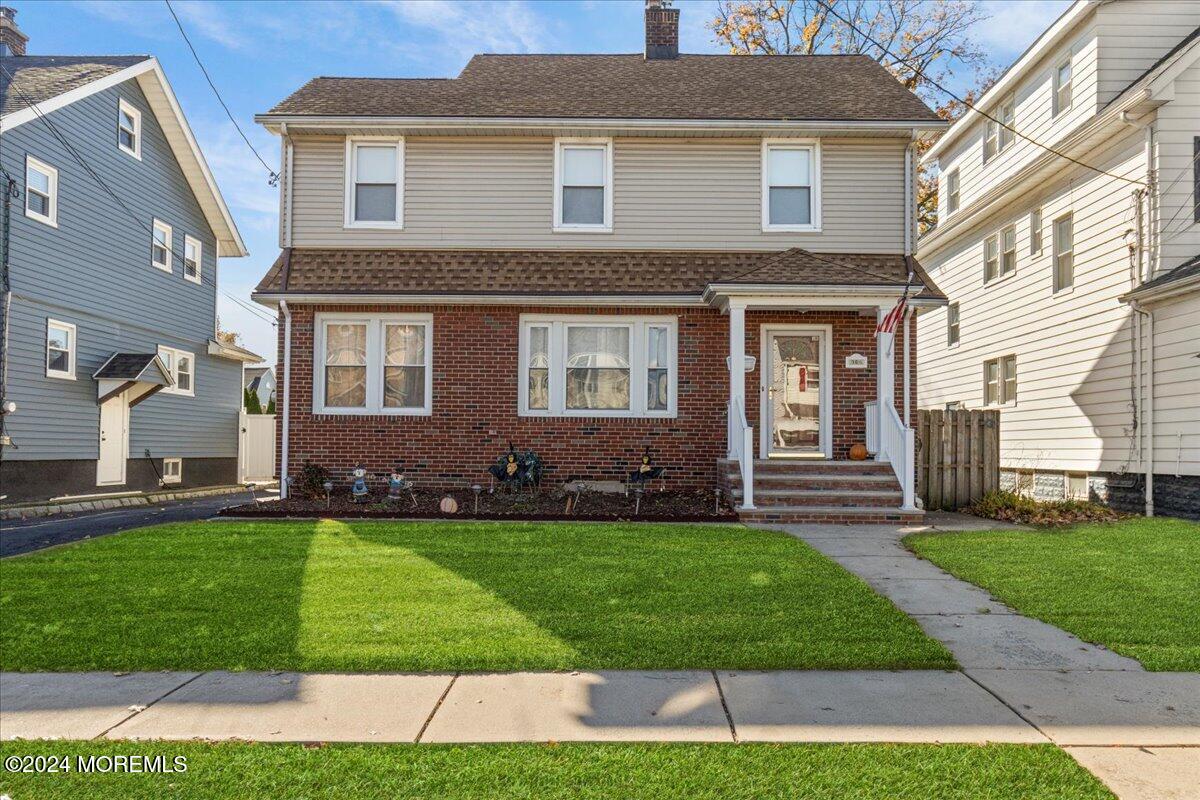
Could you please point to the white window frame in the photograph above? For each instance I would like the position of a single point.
(1057, 285)
(994, 240)
(1035, 232)
(953, 325)
(125, 107)
(188, 241)
(175, 353)
(159, 225)
(375, 363)
(564, 143)
(991, 140)
(1006, 112)
(69, 373)
(1057, 107)
(638, 364)
(953, 191)
(352, 145)
(814, 148)
(1008, 255)
(1004, 366)
(167, 477)
(41, 166)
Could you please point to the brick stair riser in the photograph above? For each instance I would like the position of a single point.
(827, 499)
(890, 517)
(846, 484)
(818, 468)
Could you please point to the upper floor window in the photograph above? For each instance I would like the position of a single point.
(1035, 232)
(1007, 116)
(1062, 87)
(991, 258)
(41, 191)
(583, 185)
(1008, 250)
(1000, 381)
(129, 129)
(60, 349)
(182, 366)
(373, 364)
(598, 366)
(374, 183)
(952, 324)
(1064, 253)
(160, 246)
(791, 192)
(191, 259)
(991, 140)
(952, 196)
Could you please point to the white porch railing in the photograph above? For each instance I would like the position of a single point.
(741, 449)
(872, 427)
(897, 444)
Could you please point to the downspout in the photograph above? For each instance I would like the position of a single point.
(287, 398)
(909, 209)
(6, 407)
(1148, 361)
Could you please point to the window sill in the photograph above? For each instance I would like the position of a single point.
(128, 152)
(597, 414)
(161, 267)
(1063, 291)
(196, 280)
(791, 228)
(33, 215)
(374, 412)
(581, 228)
(60, 376)
(999, 406)
(1003, 277)
(373, 226)
(176, 393)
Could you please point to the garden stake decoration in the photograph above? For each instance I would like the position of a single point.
(573, 500)
(397, 483)
(638, 491)
(328, 485)
(477, 489)
(717, 507)
(646, 472)
(518, 469)
(359, 490)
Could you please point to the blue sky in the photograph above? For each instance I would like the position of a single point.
(258, 53)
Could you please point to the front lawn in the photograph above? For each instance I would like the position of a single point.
(1133, 586)
(525, 771)
(431, 597)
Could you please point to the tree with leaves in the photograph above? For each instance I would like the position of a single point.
(915, 40)
(251, 402)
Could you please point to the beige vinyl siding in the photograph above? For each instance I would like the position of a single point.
(1176, 126)
(668, 193)
(1176, 378)
(1134, 34)
(1074, 368)
(1033, 118)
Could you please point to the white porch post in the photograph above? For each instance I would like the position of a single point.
(737, 365)
(907, 367)
(885, 377)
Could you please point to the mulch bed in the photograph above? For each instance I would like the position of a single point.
(503, 504)
(1011, 507)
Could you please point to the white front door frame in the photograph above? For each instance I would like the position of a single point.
(764, 369)
(113, 439)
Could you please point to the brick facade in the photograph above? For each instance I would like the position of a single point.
(475, 375)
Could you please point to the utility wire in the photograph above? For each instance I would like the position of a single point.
(274, 175)
(257, 312)
(971, 106)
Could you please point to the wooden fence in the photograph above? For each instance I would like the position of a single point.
(958, 456)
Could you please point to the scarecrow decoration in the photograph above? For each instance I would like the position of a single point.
(359, 490)
(398, 484)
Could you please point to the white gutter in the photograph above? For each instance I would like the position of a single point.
(365, 121)
(908, 199)
(287, 398)
(371, 298)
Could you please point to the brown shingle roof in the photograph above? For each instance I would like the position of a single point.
(576, 272)
(39, 78)
(824, 87)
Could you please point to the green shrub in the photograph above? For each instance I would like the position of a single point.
(310, 483)
(1012, 507)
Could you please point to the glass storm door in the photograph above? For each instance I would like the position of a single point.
(794, 374)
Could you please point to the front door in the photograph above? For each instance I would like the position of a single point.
(795, 395)
(114, 441)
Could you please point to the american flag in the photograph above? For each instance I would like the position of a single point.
(892, 319)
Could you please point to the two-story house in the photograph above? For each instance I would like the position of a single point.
(110, 373)
(1068, 245)
(591, 254)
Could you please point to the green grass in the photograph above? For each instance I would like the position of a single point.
(506, 772)
(427, 597)
(1133, 586)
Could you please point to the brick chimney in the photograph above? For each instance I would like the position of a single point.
(662, 30)
(12, 41)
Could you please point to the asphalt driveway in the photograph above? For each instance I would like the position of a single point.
(24, 536)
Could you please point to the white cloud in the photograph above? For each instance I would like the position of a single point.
(242, 179)
(1012, 26)
(209, 20)
(466, 28)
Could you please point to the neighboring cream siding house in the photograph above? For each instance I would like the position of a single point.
(1052, 268)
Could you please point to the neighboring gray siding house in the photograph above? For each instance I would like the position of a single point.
(111, 359)
(261, 381)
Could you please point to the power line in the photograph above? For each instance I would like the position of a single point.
(972, 107)
(255, 311)
(274, 175)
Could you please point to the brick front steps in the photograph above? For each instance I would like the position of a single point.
(839, 492)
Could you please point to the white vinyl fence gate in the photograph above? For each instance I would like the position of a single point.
(256, 447)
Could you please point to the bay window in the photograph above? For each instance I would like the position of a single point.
(598, 366)
(791, 186)
(583, 185)
(374, 183)
(373, 364)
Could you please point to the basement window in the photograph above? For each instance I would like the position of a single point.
(172, 470)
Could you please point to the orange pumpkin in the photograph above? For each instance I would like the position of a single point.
(858, 451)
